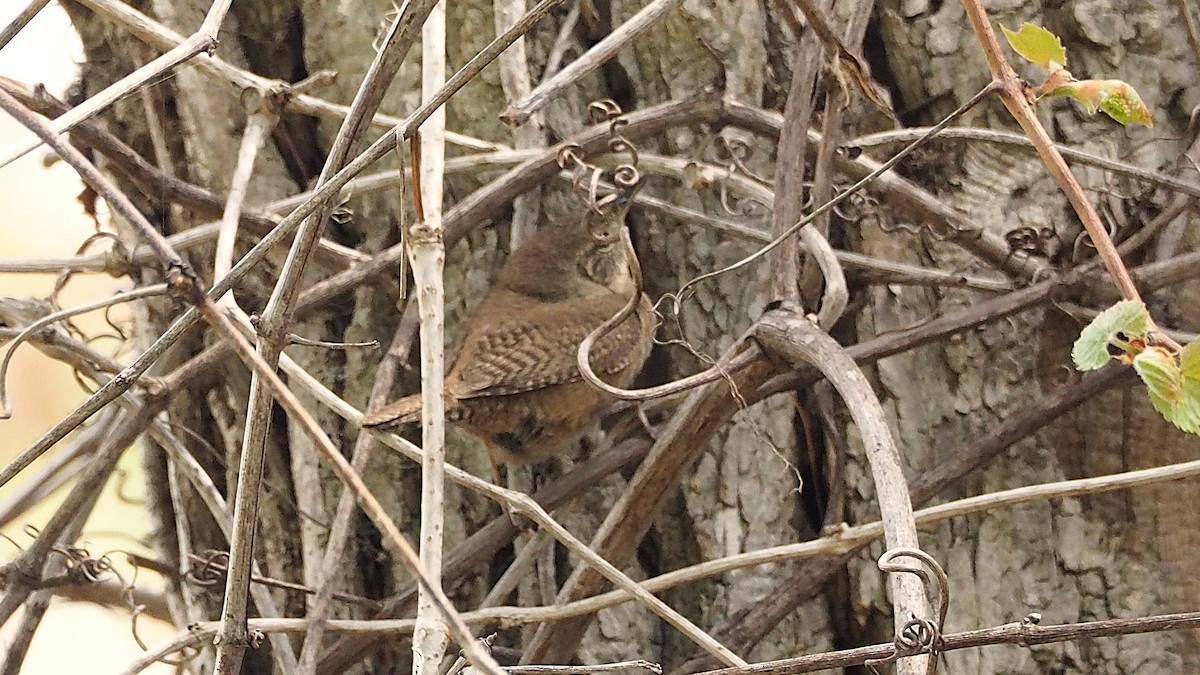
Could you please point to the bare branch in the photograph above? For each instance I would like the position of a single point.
(128, 296)
(204, 40)
(791, 337)
(427, 255)
(20, 20)
(517, 113)
(998, 136)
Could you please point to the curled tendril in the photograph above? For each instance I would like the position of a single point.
(81, 381)
(81, 567)
(940, 234)
(736, 151)
(917, 634)
(618, 143)
(731, 148)
(121, 335)
(627, 176)
(742, 207)
(857, 207)
(604, 109)
(118, 247)
(1079, 249)
(1030, 242)
(11, 541)
(570, 155)
(891, 226)
(608, 110)
(586, 177)
(210, 570)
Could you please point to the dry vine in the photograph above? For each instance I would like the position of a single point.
(815, 285)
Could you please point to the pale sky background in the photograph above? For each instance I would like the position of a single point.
(40, 218)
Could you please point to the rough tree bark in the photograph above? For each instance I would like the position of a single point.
(1117, 555)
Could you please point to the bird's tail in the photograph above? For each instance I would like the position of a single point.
(402, 411)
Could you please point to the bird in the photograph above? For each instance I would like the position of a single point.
(514, 382)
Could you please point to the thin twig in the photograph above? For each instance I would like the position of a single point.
(843, 195)
(1013, 95)
(259, 122)
(56, 471)
(847, 65)
(516, 82)
(789, 171)
(272, 333)
(339, 531)
(183, 463)
(704, 411)
(39, 600)
(517, 113)
(521, 504)
(238, 80)
(288, 401)
(1024, 633)
(585, 670)
(128, 296)
(940, 219)
(476, 64)
(487, 541)
(1001, 137)
(427, 255)
(500, 530)
(21, 20)
(212, 564)
(520, 566)
(876, 269)
(202, 41)
(23, 574)
(163, 434)
(117, 200)
(845, 540)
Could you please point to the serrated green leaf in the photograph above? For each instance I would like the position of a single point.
(1115, 98)
(1038, 45)
(1171, 393)
(1187, 412)
(1163, 377)
(1189, 360)
(1187, 415)
(1091, 349)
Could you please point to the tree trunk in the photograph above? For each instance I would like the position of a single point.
(765, 479)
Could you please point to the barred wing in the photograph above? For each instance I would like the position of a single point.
(538, 349)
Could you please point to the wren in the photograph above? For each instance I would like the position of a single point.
(514, 382)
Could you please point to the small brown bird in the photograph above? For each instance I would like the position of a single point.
(514, 383)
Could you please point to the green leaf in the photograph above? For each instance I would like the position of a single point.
(1163, 377)
(1187, 415)
(1174, 386)
(1189, 360)
(1114, 97)
(1091, 349)
(1125, 106)
(1038, 45)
